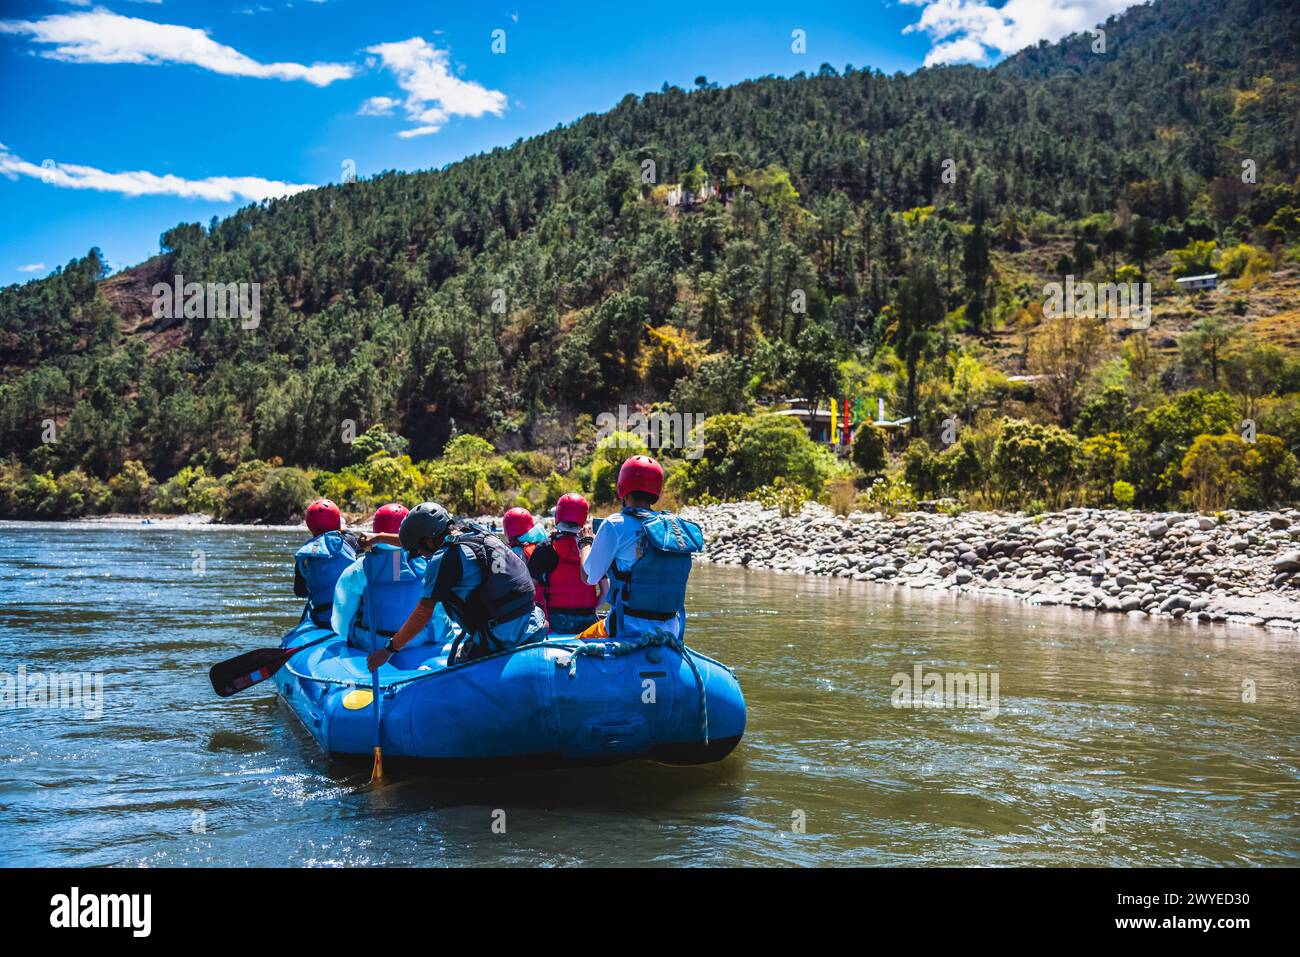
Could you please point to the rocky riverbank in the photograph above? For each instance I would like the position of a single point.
(1238, 567)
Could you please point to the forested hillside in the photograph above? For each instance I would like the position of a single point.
(858, 235)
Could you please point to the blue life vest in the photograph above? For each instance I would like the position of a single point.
(393, 586)
(655, 586)
(320, 562)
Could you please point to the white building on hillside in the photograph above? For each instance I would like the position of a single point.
(1191, 283)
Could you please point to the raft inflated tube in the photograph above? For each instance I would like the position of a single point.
(556, 703)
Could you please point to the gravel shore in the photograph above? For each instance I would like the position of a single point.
(1236, 567)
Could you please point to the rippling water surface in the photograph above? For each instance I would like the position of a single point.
(1136, 728)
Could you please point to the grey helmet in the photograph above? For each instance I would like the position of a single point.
(426, 520)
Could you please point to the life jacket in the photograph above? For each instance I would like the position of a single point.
(505, 589)
(525, 551)
(320, 562)
(655, 586)
(563, 588)
(393, 586)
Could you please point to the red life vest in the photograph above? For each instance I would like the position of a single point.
(564, 588)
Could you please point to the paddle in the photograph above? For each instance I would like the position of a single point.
(377, 771)
(243, 671)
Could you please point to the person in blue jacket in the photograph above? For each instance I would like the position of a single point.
(377, 593)
(482, 583)
(318, 564)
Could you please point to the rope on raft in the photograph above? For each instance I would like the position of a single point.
(659, 638)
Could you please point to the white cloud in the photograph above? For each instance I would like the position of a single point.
(378, 106)
(433, 94)
(973, 30)
(100, 36)
(33, 267)
(143, 183)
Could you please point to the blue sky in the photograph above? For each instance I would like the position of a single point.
(121, 118)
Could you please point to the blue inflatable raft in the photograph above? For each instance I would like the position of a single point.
(551, 704)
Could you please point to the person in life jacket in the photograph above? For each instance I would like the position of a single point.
(556, 565)
(319, 563)
(377, 593)
(521, 531)
(647, 556)
(523, 535)
(484, 586)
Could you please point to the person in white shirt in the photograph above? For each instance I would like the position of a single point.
(617, 547)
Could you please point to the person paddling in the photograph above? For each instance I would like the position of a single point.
(377, 593)
(647, 556)
(484, 586)
(318, 564)
(556, 565)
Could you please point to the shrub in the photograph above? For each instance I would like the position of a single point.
(1161, 437)
(532, 464)
(870, 449)
(393, 479)
(284, 494)
(1194, 259)
(1105, 458)
(1030, 459)
(82, 494)
(1121, 493)
(1214, 468)
(244, 491)
(132, 489)
(1245, 261)
(460, 487)
(1271, 472)
(377, 439)
(1226, 471)
(889, 495)
(921, 468)
(610, 453)
(191, 491)
(741, 453)
(788, 497)
(540, 495)
(348, 490)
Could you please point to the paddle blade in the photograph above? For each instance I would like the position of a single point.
(377, 772)
(243, 671)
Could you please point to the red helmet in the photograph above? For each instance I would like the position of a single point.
(323, 516)
(388, 519)
(571, 509)
(640, 473)
(517, 521)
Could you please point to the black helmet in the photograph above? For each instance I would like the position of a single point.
(426, 520)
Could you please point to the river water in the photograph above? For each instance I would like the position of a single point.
(1109, 741)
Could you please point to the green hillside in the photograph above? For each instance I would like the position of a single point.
(860, 234)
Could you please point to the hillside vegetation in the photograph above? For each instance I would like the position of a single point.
(857, 235)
